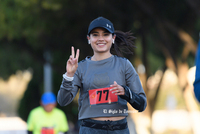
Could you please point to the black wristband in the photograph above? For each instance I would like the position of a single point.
(136, 101)
(126, 96)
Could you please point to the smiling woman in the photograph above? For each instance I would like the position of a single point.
(106, 81)
(101, 42)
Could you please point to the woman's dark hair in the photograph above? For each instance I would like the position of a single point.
(124, 43)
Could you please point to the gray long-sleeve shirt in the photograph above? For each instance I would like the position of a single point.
(100, 74)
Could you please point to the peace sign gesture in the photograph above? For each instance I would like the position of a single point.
(72, 63)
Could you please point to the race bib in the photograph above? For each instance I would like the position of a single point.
(102, 96)
(47, 130)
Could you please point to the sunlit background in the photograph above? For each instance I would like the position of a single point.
(35, 41)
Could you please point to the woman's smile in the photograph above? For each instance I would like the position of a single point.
(101, 44)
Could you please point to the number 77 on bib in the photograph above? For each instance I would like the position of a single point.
(102, 96)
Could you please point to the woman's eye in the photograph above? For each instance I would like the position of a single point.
(106, 34)
(95, 35)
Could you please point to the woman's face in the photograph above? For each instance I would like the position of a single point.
(101, 40)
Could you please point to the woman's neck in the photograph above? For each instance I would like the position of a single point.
(98, 57)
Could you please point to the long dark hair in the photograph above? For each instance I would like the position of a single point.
(124, 43)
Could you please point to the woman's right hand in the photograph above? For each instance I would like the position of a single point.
(72, 63)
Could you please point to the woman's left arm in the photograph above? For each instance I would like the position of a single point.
(134, 93)
(138, 102)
